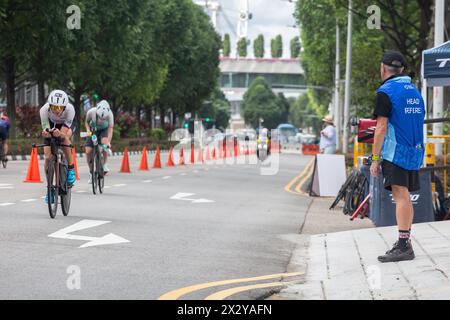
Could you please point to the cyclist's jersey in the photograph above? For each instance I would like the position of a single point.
(65, 119)
(99, 124)
(4, 123)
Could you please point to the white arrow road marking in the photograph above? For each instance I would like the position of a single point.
(29, 200)
(93, 241)
(6, 204)
(183, 197)
(119, 185)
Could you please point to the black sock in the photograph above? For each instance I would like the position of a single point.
(403, 238)
(71, 166)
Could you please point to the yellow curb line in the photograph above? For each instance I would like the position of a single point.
(229, 292)
(308, 175)
(175, 294)
(288, 187)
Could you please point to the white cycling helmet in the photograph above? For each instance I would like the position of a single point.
(58, 98)
(103, 109)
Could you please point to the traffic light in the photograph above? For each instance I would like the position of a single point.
(207, 120)
(189, 124)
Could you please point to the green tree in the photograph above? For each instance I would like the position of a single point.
(194, 63)
(405, 26)
(261, 102)
(285, 107)
(295, 47)
(226, 45)
(276, 46)
(304, 115)
(242, 47)
(258, 46)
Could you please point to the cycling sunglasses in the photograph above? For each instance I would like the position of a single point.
(54, 107)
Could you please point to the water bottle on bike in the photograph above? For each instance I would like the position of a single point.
(94, 140)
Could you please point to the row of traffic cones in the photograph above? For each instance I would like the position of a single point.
(33, 173)
(210, 155)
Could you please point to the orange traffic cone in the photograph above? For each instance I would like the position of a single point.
(144, 161)
(200, 155)
(192, 154)
(208, 156)
(125, 168)
(157, 162)
(181, 157)
(170, 162)
(74, 159)
(33, 174)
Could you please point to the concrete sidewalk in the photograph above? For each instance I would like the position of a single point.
(344, 265)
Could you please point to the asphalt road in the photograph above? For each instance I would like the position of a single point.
(241, 226)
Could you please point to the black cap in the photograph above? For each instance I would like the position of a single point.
(394, 59)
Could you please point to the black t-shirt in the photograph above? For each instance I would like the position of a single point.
(383, 105)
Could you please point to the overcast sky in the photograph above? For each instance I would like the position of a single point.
(270, 18)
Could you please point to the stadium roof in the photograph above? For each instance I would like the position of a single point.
(259, 66)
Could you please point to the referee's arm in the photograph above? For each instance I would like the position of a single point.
(382, 110)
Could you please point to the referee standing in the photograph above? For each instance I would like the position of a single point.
(399, 146)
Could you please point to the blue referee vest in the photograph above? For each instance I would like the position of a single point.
(403, 144)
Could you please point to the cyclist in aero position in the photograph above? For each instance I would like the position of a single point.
(99, 121)
(57, 121)
(4, 133)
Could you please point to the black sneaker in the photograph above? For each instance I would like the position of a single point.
(397, 254)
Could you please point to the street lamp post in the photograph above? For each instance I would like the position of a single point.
(348, 75)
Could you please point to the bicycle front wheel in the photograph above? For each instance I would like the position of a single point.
(94, 178)
(65, 201)
(100, 173)
(52, 189)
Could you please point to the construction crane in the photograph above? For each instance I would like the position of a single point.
(217, 10)
(212, 6)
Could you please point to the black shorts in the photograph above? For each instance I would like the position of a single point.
(100, 135)
(4, 134)
(395, 175)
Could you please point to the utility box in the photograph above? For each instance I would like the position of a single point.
(382, 204)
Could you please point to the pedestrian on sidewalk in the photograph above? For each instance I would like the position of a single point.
(399, 146)
(328, 136)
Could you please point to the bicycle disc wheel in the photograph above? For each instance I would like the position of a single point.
(100, 173)
(52, 189)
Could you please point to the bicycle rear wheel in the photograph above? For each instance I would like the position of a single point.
(4, 161)
(66, 193)
(52, 189)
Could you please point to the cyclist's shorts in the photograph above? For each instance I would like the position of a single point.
(4, 134)
(100, 135)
